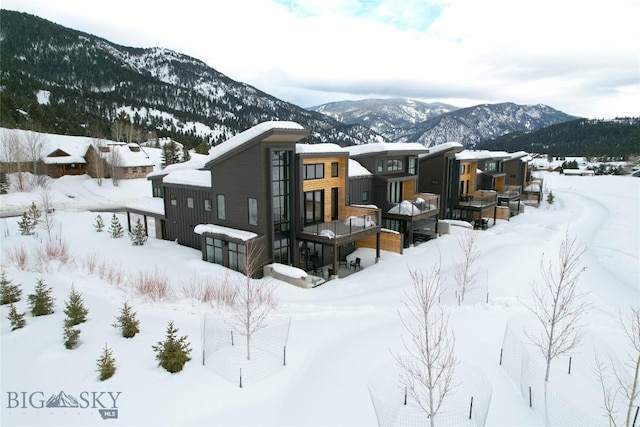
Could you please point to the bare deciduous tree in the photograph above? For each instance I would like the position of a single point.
(34, 145)
(429, 368)
(48, 222)
(255, 300)
(558, 304)
(466, 278)
(97, 161)
(13, 153)
(624, 390)
(115, 164)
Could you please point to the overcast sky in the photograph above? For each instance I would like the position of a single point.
(581, 57)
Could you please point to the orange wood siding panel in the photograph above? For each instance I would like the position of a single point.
(329, 182)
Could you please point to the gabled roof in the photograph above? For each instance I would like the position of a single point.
(384, 148)
(128, 154)
(197, 162)
(265, 131)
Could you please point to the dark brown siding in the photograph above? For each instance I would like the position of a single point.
(181, 219)
(356, 187)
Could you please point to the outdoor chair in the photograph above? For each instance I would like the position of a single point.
(355, 264)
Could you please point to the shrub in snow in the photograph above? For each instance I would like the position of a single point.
(34, 214)
(41, 302)
(127, 322)
(173, 353)
(550, 197)
(106, 364)
(9, 293)
(75, 309)
(71, 336)
(139, 234)
(25, 225)
(16, 319)
(115, 229)
(99, 224)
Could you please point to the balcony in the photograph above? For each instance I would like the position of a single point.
(478, 200)
(425, 204)
(510, 192)
(342, 228)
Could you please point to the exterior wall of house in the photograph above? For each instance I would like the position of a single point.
(61, 169)
(440, 174)
(516, 171)
(133, 172)
(181, 218)
(358, 188)
(327, 184)
(389, 241)
(468, 177)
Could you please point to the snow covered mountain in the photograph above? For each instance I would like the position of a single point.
(63, 81)
(384, 115)
(405, 120)
(62, 400)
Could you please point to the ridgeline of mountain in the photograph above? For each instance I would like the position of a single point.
(63, 81)
(619, 137)
(397, 121)
(384, 115)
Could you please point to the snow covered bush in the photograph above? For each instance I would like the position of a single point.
(99, 224)
(139, 234)
(9, 293)
(75, 309)
(16, 319)
(153, 285)
(115, 229)
(106, 364)
(127, 322)
(71, 336)
(18, 257)
(41, 302)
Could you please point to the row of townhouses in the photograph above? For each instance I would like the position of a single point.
(311, 205)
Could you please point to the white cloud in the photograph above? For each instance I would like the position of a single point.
(577, 56)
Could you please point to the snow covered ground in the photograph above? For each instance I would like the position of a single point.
(340, 333)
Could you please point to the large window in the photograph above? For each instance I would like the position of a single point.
(281, 251)
(237, 254)
(213, 249)
(334, 169)
(253, 211)
(313, 171)
(413, 165)
(313, 206)
(280, 190)
(380, 165)
(394, 165)
(394, 192)
(221, 207)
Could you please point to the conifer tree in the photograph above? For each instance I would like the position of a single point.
(127, 322)
(75, 309)
(4, 183)
(9, 293)
(16, 319)
(71, 336)
(173, 353)
(186, 155)
(139, 234)
(41, 302)
(24, 224)
(550, 197)
(115, 229)
(99, 224)
(106, 364)
(34, 215)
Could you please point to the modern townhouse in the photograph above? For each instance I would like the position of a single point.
(395, 170)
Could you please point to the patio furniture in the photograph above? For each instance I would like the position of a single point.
(355, 264)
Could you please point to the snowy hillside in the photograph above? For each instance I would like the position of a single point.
(341, 333)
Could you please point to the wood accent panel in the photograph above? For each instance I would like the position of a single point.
(329, 182)
(389, 241)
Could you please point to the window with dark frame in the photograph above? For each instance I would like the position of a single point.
(365, 195)
(221, 206)
(208, 205)
(314, 206)
(313, 171)
(334, 169)
(253, 211)
(413, 165)
(174, 200)
(190, 203)
(394, 165)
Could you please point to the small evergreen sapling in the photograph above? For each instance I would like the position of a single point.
(115, 229)
(127, 322)
(71, 336)
(34, 214)
(99, 224)
(9, 293)
(16, 319)
(75, 309)
(106, 364)
(41, 302)
(139, 234)
(550, 197)
(25, 225)
(173, 353)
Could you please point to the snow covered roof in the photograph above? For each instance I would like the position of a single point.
(319, 148)
(356, 169)
(58, 160)
(148, 204)
(481, 155)
(198, 178)
(289, 271)
(234, 233)
(197, 162)
(127, 154)
(385, 147)
(440, 148)
(250, 134)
